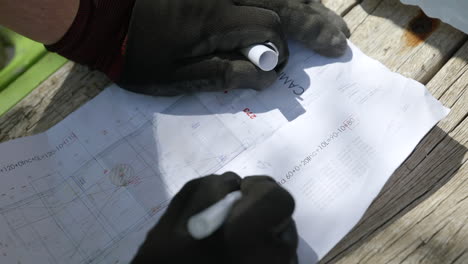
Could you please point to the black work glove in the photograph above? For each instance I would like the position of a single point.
(259, 228)
(186, 46)
(169, 47)
(309, 22)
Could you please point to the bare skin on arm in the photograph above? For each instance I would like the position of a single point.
(45, 21)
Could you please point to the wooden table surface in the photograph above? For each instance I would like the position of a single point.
(421, 215)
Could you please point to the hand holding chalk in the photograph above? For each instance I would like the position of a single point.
(186, 232)
(209, 220)
(264, 56)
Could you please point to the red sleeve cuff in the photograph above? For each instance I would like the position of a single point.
(97, 34)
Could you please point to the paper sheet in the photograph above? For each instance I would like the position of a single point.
(331, 131)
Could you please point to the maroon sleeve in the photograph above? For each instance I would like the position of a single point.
(97, 36)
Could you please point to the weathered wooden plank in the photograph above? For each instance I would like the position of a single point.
(454, 75)
(59, 95)
(340, 7)
(405, 190)
(356, 16)
(433, 163)
(402, 38)
(435, 231)
(384, 35)
(449, 86)
(450, 73)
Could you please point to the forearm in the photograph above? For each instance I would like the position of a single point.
(45, 21)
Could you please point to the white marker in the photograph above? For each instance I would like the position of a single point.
(265, 56)
(209, 220)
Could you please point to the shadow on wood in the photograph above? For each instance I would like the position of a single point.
(407, 188)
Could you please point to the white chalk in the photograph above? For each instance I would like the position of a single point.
(209, 220)
(265, 56)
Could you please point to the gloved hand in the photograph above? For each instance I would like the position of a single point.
(259, 228)
(169, 47)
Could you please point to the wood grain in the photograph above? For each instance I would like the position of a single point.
(435, 230)
(381, 30)
(340, 7)
(62, 93)
(437, 159)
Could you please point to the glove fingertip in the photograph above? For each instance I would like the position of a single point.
(334, 45)
(231, 178)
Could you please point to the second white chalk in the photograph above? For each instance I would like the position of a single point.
(264, 56)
